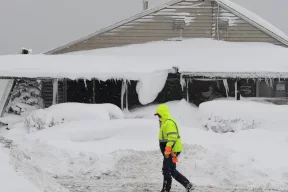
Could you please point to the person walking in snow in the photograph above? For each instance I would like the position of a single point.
(171, 147)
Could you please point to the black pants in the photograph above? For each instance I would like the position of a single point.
(169, 170)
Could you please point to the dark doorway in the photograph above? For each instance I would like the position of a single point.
(80, 91)
(206, 90)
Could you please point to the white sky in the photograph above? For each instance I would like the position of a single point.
(45, 24)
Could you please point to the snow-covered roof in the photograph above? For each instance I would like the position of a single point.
(195, 57)
(241, 12)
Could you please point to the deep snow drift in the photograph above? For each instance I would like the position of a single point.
(89, 155)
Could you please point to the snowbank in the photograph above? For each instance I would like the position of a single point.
(83, 135)
(252, 158)
(226, 115)
(66, 112)
(185, 113)
(88, 153)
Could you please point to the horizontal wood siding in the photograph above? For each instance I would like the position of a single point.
(201, 19)
(238, 30)
(157, 26)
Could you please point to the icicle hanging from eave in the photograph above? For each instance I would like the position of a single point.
(123, 91)
(225, 82)
(182, 81)
(271, 83)
(55, 91)
(85, 82)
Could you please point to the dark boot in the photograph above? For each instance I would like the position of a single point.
(189, 187)
(166, 186)
(184, 181)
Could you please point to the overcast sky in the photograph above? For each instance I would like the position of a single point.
(45, 24)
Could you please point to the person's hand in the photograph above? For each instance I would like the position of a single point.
(174, 158)
(167, 151)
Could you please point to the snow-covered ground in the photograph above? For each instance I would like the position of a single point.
(11, 181)
(123, 154)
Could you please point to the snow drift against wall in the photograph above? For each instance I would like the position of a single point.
(67, 112)
(185, 113)
(232, 116)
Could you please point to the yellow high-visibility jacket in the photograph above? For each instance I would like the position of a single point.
(169, 132)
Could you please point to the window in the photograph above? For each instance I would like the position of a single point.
(178, 23)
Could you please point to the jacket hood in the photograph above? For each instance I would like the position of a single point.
(163, 111)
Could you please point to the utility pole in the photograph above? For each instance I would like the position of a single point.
(145, 5)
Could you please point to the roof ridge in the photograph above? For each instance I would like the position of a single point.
(113, 26)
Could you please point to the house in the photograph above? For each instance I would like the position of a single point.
(174, 22)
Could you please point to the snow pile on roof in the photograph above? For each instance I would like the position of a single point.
(137, 61)
(255, 18)
(74, 66)
(150, 86)
(207, 56)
